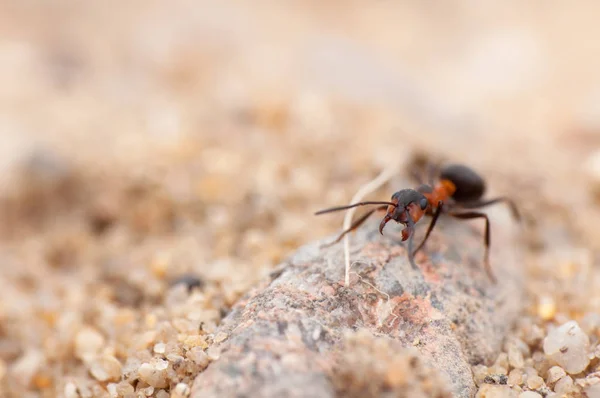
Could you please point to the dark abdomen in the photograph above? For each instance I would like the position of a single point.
(469, 185)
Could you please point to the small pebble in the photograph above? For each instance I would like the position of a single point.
(181, 390)
(112, 389)
(555, 373)
(530, 394)
(479, 374)
(105, 367)
(160, 348)
(174, 358)
(496, 391)
(195, 341)
(198, 356)
(71, 390)
(124, 388)
(88, 343)
(535, 382)
(568, 346)
(154, 374)
(161, 364)
(515, 357)
(515, 377)
(564, 385)
(501, 365)
(534, 335)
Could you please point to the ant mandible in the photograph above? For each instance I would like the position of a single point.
(457, 190)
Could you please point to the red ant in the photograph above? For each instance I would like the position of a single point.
(458, 188)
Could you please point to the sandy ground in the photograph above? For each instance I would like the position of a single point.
(144, 142)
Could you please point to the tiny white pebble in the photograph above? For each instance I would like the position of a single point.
(174, 358)
(181, 390)
(71, 390)
(568, 345)
(160, 348)
(161, 364)
(112, 389)
(152, 375)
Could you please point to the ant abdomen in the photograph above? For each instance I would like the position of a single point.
(469, 185)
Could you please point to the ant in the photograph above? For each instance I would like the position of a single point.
(457, 190)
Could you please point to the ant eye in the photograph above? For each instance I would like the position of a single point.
(423, 203)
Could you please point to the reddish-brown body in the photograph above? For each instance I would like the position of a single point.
(441, 192)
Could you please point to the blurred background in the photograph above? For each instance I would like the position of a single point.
(144, 141)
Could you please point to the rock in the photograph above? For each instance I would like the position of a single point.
(568, 345)
(286, 338)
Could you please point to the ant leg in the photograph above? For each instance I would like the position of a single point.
(475, 214)
(411, 232)
(355, 225)
(482, 203)
(431, 225)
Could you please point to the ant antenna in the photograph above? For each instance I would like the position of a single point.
(332, 209)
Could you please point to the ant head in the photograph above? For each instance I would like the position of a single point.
(409, 206)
